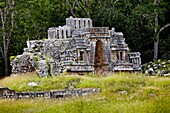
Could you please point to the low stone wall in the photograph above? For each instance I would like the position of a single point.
(8, 93)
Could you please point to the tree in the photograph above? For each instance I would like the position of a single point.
(7, 21)
(156, 43)
(79, 8)
(156, 28)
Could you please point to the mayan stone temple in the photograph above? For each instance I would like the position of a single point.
(77, 47)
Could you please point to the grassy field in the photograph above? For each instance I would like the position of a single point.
(120, 93)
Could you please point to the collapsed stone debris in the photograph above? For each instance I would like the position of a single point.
(160, 68)
(8, 93)
(77, 47)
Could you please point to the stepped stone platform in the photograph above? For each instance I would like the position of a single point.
(77, 47)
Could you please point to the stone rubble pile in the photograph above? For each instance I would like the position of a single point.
(43, 68)
(161, 68)
(22, 64)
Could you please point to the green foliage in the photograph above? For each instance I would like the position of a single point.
(90, 75)
(12, 58)
(2, 4)
(36, 58)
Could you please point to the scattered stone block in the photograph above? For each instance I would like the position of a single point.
(33, 84)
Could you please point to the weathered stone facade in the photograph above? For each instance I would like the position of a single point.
(78, 47)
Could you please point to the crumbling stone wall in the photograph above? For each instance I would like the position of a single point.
(8, 93)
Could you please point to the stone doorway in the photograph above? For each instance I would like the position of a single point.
(100, 64)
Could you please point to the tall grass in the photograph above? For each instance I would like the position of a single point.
(120, 93)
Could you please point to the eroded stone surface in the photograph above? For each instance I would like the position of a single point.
(78, 47)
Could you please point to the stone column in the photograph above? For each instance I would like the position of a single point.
(56, 36)
(139, 60)
(78, 55)
(82, 23)
(53, 35)
(64, 33)
(60, 33)
(105, 47)
(91, 23)
(48, 34)
(69, 32)
(85, 56)
(77, 23)
(86, 23)
(92, 52)
(74, 23)
(133, 60)
(117, 55)
(136, 60)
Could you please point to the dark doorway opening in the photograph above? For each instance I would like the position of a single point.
(81, 55)
(100, 64)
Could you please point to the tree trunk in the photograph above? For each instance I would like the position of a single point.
(6, 62)
(156, 44)
(156, 41)
(7, 12)
(5, 47)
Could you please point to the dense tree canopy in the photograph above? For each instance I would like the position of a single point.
(135, 18)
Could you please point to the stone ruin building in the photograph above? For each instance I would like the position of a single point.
(77, 47)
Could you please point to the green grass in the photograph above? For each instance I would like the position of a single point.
(120, 93)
